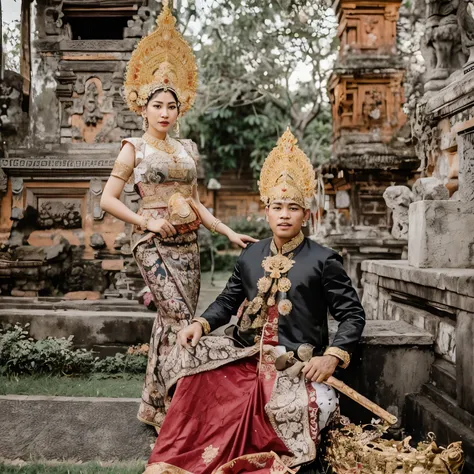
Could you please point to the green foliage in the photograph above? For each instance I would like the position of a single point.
(20, 354)
(263, 66)
(12, 45)
(92, 385)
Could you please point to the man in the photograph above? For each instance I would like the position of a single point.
(232, 411)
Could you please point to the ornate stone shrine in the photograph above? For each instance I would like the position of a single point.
(371, 137)
(65, 118)
(434, 288)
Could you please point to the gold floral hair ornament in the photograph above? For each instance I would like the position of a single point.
(287, 174)
(162, 60)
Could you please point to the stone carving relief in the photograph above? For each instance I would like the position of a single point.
(466, 167)
(466, 23)
(17, 198)
(368, 106)
(96, 193)
(141, 24)
(429, 189)
(53, 18)
(441, 45)
(398, 199)
(374, 108)
(92, 113)
(59, 213)
(427, 138)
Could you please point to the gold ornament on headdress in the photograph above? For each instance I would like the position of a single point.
(287, 174)
(161, 60)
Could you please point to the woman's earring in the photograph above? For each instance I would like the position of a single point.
(145, 124)
(176, 128)
(304, 224)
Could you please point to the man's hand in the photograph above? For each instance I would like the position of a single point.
(319, 369)
(192, 333)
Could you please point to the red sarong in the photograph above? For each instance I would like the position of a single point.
(216, 417)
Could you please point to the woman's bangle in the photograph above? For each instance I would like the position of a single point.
(214, 226)
(144, 225)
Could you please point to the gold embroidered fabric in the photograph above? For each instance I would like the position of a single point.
(164, 468)
(287, 174)
(289, 246)
(340, 354)
(162, 60)
(158, 195)
(204, 323)
(209, 454)
(122, 171)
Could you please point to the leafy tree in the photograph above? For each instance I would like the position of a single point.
(263, 66)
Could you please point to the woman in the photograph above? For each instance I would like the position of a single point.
(161, 85)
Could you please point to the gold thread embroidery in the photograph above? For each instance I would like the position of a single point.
(276, 265)
(344, 356)
(122, 171)
(209, 454)
(289, 246)
(204, 323)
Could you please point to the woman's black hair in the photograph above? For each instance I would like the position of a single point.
(171, 91)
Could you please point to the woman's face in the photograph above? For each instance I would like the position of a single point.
(161, 111)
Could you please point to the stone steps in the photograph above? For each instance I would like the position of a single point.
(443, 376)
(422, 411)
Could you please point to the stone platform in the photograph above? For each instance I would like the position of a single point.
(440, 301)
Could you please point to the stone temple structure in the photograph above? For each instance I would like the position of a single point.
(434, 288)
(371, 137)
(62, 121)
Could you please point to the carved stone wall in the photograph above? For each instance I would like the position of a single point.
(75, 121)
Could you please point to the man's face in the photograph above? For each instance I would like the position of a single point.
(286, 218)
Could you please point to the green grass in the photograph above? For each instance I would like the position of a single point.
(86, 468)
(120, 386)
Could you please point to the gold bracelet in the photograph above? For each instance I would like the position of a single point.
(206, 328)
(342, 355)
(214, 226)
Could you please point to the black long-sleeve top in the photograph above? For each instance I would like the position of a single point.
(318, 283)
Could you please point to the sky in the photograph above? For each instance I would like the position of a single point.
(11, 10)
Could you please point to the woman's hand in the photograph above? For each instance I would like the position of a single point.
(192, 333)
(240, 239)
(161, 226)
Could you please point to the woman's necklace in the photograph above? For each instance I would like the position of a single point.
(163, 145)
(176, 170)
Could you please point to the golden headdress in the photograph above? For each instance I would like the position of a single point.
(161, 60)
(287, 174)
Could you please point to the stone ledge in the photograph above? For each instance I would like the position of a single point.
(92, 328)
(63, 428)
(390, 333)
(456, 280)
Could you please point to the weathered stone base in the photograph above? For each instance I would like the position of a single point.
(421, 412)
(441, 301)
(441, 234)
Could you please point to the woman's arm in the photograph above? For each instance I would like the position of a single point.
(209, 220)
(111, 203)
